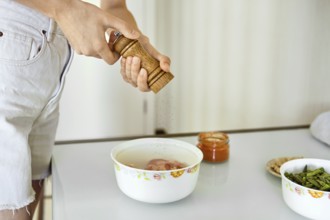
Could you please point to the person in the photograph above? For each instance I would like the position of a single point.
(37, 40)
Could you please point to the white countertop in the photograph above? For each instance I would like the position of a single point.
(84, 184)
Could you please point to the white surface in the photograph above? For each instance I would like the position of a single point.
(84, 184)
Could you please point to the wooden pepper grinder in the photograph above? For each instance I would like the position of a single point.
(157, 78)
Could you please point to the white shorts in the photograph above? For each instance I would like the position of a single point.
(34, 59)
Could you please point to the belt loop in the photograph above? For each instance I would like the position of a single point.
(50, 31)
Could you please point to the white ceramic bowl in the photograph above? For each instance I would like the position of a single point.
(156, 186)
(311, 203)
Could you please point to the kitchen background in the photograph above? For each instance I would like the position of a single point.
(237, 63)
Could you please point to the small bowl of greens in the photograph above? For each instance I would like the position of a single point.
(306, 187)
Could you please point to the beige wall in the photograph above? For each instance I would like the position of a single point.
(243, 63)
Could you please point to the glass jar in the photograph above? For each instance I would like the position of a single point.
(214, 145)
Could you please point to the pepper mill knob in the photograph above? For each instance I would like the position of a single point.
(157, 78)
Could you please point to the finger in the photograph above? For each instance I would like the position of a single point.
(135, 69)
(128, 68)
(123, 69)
(142, 81)
(149, 48)
(112, 39)
(121, 26)
(165, 64)
(164, 61)
(103, 50)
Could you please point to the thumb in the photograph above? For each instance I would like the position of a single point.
(122, 26)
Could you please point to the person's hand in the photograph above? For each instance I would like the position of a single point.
(85, 26)
(132, 72)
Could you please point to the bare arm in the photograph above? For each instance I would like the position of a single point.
(84, 25)
(119, 9)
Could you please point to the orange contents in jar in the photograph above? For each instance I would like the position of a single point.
(214, 145)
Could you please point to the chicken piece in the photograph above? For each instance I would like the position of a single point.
(161, 164)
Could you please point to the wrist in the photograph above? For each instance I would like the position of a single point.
(58, 7)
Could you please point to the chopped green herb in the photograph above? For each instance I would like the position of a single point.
(317, 179)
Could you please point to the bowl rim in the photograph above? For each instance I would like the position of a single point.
(311, 160)
(194, 148)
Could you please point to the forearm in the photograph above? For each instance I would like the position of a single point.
(50, 8)
(118, 8)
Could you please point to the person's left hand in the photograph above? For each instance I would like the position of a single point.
(132, 72)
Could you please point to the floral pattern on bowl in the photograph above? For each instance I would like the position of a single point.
(301, 191)
(149, 176)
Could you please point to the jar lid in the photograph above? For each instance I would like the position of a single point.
(213, 136)
(214, 145)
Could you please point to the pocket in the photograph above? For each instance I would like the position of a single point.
(19, 48)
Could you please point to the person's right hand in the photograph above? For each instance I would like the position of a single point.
(85, 26)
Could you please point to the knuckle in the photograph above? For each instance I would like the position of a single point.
(144, 89)
(111, 61)
(79, 52)
(87, 51)
(125, 78)
(98, 46)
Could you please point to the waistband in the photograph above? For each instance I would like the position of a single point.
(10, 9)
